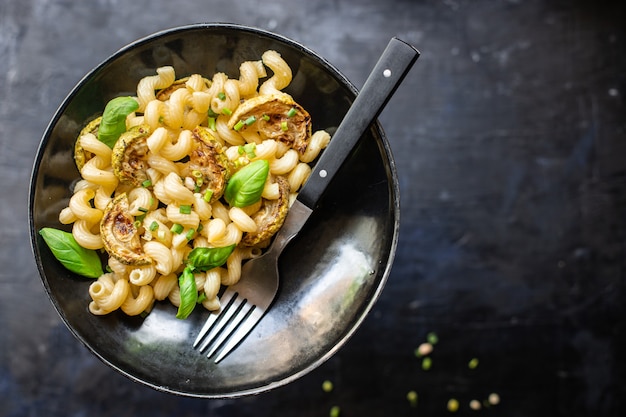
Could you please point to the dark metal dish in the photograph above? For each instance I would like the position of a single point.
(331, 274)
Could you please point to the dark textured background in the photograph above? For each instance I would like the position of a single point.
(510, 142)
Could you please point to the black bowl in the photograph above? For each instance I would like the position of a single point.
(331, 274)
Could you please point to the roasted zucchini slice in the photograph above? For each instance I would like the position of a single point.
(81, 156)
(120, 235)
(271, 216)
(275, 116)
(208, 167)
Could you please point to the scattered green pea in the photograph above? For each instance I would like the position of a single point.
(473, 363)
(335, 411)
(427, 363)
(432, 338)
(411, 396)
(453, 405)
(327, 386)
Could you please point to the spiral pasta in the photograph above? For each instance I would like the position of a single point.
(174, 203)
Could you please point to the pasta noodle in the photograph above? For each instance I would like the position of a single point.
(319, 140)
(136, 305)
(148, 85)
(170, 188)
(282, 73)
(85, 237)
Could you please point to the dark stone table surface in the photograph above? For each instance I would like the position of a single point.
(509, 137)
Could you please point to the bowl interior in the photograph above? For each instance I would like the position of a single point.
(331, 274)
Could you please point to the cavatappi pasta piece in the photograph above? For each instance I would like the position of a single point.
(134, 305)
(81, 208)
(162, 256)
(282, 73)
(85, 236)
(108, 294)
(146, 89)
(319, 140)
(249, 74)
(164, 285)
(232, 274)
(142, 275)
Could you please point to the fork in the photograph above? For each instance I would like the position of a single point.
(245, 303)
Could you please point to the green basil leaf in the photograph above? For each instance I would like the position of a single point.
(204, 259)
(246, 185)
(188, 293)
(113, 122)
(74, 257)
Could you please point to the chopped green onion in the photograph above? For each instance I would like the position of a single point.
(151, 201)
(335, 411)
(207, 195)
(250, 120)
(146, 184)
(185, 209)
(200, 227)
(241, 150)
(211, 122)
(199, 182)
(177, 228)
(265, 118)
(227, 111)
(427, 363)
(283, 126)
(292, 112)
(211, 113)
(143, 209)
(140, 217)
(161, 119)
(190, 234)
(411, 396)
(221, 96)
(153, 226)
(473, 363)
(238, 125)
(249, 149)
(137, 224)
(196, 173)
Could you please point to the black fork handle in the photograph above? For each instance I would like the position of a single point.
(391, 68)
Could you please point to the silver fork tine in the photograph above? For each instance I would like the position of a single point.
(231, 308)
(213, 317)
(237, 332)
